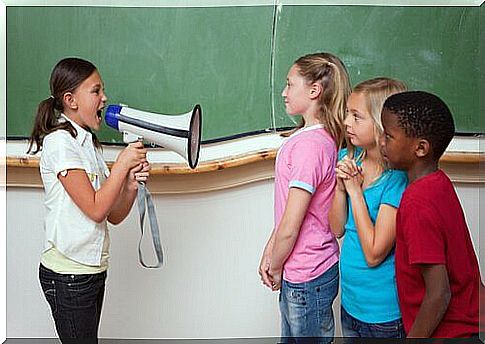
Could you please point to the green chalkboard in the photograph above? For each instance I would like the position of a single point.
(162, 60)
(166, 60)
(430, 48)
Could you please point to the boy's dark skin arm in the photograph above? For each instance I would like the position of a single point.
(435, 301)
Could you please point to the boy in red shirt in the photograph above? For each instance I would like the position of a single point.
(437, 271)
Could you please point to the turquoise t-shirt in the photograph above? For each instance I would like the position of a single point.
(369, 294)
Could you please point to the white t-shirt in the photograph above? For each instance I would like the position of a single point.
(67, 228)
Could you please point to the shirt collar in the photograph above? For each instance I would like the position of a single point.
(312, 127)
(82, 134)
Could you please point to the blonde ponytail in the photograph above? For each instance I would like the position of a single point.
(330, 72)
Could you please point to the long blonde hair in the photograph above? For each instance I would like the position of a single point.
(330, 72)
(376, 92)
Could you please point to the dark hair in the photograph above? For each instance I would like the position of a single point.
(423, 115)
(66, 76)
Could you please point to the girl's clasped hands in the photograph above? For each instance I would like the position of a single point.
(349, 176)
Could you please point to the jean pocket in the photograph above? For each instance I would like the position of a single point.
(49, 290)
(79, 291)
(80, 283)
(295, 294)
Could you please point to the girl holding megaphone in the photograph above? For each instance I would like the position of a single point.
(81, 195)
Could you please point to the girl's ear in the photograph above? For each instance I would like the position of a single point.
(422, 148)
(315, 90)
(69, 101)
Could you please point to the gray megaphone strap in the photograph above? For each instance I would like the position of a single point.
(144, 200)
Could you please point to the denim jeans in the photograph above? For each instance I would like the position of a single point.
(352, 327)
(306, 309)
(75, 302)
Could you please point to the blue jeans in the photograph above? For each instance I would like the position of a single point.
(306, 309)
(75, 302)
(352, 327)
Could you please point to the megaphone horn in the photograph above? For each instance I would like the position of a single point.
(179, 133)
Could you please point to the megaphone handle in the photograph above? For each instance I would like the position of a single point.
(144, 200)
(130, 138)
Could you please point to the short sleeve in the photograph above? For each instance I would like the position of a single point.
(309, 163)
(396, 184)
(422, 232)
(61, 152)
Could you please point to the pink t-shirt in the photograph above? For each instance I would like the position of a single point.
(306, 160)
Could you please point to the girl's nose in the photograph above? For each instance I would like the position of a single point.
(283, 93)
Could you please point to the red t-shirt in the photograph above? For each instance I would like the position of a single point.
(431, 229)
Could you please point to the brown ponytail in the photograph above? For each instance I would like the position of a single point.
(66, 76)
(47, 121)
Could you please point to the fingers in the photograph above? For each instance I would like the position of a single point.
(133, 155)
(347, 168)
(136, 144)
(266, 279)
(146, 167)
(276, 286)
(341, 174)
(138, 150)
(356, 169)
(276, 282)
(264, 273)
(141, 177)
(272, 280)
(137, 168)
(142, 172)
(348, 174)
(142, 167)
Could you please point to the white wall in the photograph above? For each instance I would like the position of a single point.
(208, 287)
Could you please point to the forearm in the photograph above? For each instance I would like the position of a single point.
(284, 241)
(123, 205)
(268, 249)
(109, 193)
(365, 227)
(337, 215)
(429, 315)
(289, 228)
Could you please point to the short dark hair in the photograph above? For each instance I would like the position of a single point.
(423, 115)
